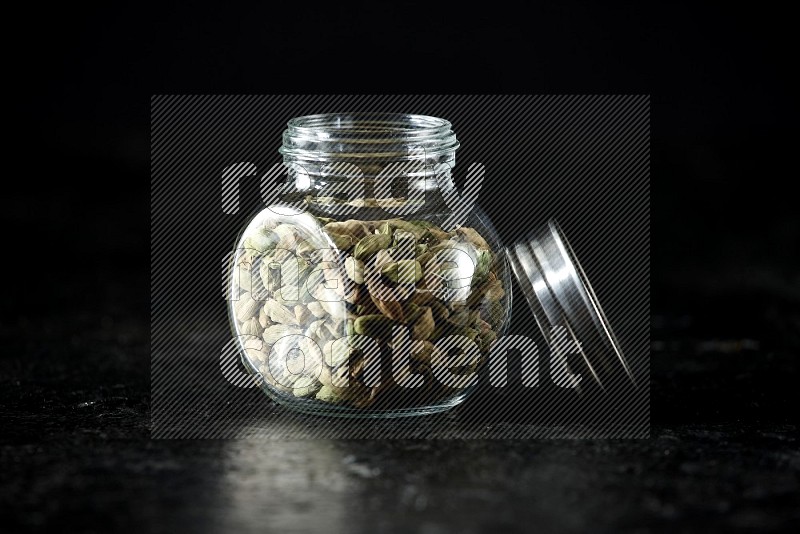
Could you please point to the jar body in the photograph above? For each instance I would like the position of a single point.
(346, 301)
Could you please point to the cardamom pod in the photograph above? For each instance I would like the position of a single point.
(275, 332)
(370, 245)
(255, 350)
(374, 326)
(263, 319)
(411, 312)
(293, 270)
(425, 257)
(382, 258)
(482, 265)
(246, 307)
(491, 291)
(316, 309)
(329, 394)
(418, 230)
(278, 313)
(287, 239)
(336, 329)
(318, 331)
(423, 351)
(390, 308)
(342, 242)
(424, 325)
(305, 386)
(302, 314)
(335, 309)
(270, 277)
(494, 291)
(261, 240)
(482, 325)
(354, 269)
(251, 327)
(486, 339)
(403, 271)
(355, 295)
(305, 247)
(450, 329)
(439, 311)
(384, 228)
(471, 235)
(422, 297)
(459, 318)
(336, 352)
(287, 295)
(440, 235)
(242, 277)
(352, 227)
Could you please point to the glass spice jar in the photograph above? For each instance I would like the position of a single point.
(367, 293)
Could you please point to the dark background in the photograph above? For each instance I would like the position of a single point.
(74, 374)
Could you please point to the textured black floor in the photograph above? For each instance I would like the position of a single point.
(76, 453)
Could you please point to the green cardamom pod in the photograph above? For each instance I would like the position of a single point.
(482, 265)
(351, 227)
(471, 235)
(459, 318)
(403, 271)
(490, 291)
(371, 244)
(440, 235)
(424, 324)
(412, 312)
(439, 310)
(471, 333)
(390, 308)
(328, 394)
(336, 352)
(354, 269)
(449, 329)
(342, 242)
(385, 228)
(418, 230)
(305, 386)
(485, 340)
(375, 326)
(425, 257)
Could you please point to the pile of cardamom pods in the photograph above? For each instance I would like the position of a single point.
(316, 313)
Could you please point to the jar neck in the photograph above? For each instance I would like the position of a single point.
(354, 156)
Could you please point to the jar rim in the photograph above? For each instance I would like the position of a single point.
(359, 135)
(368, 122)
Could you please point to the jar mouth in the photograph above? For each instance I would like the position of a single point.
(373, 124)
(342, 136)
